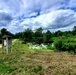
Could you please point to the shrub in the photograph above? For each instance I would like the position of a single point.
(68, 44)
(58, 44)
(51, 47)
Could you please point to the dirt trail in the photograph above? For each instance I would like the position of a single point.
(0, 45)
(14, 40)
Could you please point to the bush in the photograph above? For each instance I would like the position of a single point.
(51, 47)
(68, 44)
(58, 44)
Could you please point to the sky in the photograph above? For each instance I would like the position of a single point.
(53, 15)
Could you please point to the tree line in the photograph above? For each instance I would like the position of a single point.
(38, 36)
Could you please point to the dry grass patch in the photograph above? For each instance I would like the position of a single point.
(25, 61)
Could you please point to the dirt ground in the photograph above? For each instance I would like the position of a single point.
(52, 63)
(0, 45)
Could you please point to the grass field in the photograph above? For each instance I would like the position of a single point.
(25, 61)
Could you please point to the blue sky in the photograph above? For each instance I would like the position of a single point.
(53, 15)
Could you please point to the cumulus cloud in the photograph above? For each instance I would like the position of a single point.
(53, 20)
(18, 15)
(5, 19)
(72, 3)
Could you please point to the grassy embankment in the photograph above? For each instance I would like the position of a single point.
(25, 61)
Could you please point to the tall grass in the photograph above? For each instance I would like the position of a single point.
(25, 61)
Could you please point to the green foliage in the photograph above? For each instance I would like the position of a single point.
(74, 30)
(38, 36)
(37, 69)
(58, 44)
(51, 47)
(63, 41)
(47, 36)
(4, 31)
(66, 44)
(58, 33)
(27, 35)
(6, 69)
(18, 35)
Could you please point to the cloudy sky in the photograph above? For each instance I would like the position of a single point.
(53, 15)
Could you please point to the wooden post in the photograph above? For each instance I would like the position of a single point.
(2, 46)
(11, 46)
(6, 45)
(2, 49)
(11, 49)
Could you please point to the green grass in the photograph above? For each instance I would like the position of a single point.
(25, 61)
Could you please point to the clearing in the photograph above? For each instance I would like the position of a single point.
(25, 61)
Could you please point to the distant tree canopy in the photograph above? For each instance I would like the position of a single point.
(47, 36)
(58, 33)
(27, 35)
(4, 31)
(38, 36)
(74, 30)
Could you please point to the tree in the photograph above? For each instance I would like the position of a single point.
(74, 30)
(27, 35)
(38, 32)
(0, 38)
(18, 35)
(67, 33)
(58, 33)
(3, 31)
(38, 35)
(48, 36)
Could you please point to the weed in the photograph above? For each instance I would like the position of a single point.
(51, 47)
(37, 69)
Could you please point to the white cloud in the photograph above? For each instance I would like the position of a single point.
(53, 20)
(48, 14)
(72, 3)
